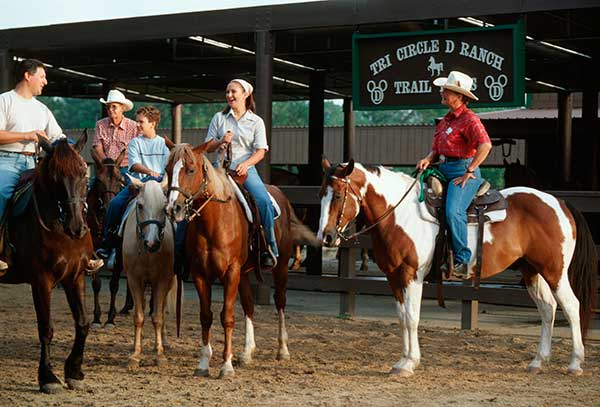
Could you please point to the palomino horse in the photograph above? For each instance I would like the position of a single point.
(148, 256)
(216, 246)
(107, 184)
(52, 245)
(558, 257)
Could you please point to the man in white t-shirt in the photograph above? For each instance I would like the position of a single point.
(23, 121)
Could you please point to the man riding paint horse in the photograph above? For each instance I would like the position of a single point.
(464, 144)
(23, 121)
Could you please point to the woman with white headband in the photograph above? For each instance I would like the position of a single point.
(239, 126)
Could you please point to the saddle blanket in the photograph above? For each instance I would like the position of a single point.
(240, 197)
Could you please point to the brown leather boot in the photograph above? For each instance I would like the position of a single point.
(3, 267)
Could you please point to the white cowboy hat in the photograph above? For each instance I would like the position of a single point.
(457, 82)
(115, 96)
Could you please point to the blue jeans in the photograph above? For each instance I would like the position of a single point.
(12, 165)
(115, 210)
(457, 202)
(257, 188)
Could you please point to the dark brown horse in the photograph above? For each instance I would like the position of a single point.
(516, 174)
(52, 245)
(549, 236)
(107, 184)
(216, 247)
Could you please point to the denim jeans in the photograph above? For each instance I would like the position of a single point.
(457, 202)
(12, 165)
(115, 210)
(257, 188)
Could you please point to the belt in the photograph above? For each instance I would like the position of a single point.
(449, 159)
(27, 153)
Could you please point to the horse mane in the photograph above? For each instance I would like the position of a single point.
(64, 161)
(219, 184)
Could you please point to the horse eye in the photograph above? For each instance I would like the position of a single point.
(337, 196)
(140, 206)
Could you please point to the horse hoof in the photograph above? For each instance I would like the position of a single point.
(52, 388)
(575, 372)
(245, 360)
(201, 373)
(109, 325)
(399, 372)
(74, 384)
(133, 365)
(534, 370)
(283, 356)
(161, 361)
(226, 373)
(96, 325)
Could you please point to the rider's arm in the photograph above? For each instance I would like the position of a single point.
(8, 137)
(480, 155)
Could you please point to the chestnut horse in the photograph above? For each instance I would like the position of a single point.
(107, 184)
(52, 245)
(552, 239)
(216, 247)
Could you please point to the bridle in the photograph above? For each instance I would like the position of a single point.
(348, 185)
(188, 203)
(142, 225)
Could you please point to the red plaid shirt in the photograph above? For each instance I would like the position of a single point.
(113, 138)
(459, 134)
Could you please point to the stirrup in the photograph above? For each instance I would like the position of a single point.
(93, 266)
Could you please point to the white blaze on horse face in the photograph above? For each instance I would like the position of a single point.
(325, 206)
(173, 195)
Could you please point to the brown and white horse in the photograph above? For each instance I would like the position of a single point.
(552, 240)
(216, 247)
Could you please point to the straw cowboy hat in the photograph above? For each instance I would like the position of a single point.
(457, 82)
(115, 96)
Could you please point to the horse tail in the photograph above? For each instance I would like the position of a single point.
(583, 270)
(301, 234)
(171, 300)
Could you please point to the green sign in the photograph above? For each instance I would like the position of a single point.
(397, 70)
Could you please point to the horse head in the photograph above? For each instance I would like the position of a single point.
(187, 174)
(107, 181)
(63, 177)
(150, 214)
(340, 201)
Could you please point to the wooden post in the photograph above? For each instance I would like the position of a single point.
(176, 115)
(7, 81)
(565, 127)
(264, 98)
(590, 136)
(468, 319)
(349, 133)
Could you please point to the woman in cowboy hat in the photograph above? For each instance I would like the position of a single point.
(463, 144)
(114, 132)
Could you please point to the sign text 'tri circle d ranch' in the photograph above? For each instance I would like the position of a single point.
(395, 71)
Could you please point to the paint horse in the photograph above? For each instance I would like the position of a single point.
(148, 258)
(552, 240)
(216, 247)
(52, 245)
(107, 184)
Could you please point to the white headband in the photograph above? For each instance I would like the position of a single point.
(246, 85)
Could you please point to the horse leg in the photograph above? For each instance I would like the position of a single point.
(280, 277)
(41, 291)
(128, 303)
(137, 291)
(570, 306)
(409, 311)
(114, 289)
(297, 257)
(97, 286)
(247, 301)
(540, 292)
(204, 289)
(75, 292)
(231, 284)
(159, 291)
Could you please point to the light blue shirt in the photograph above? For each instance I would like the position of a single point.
(152, 153)
(249, 134)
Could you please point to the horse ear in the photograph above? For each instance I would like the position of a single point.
(121, 157)
(349, 168)
(202, 148)
(96, 158)
(135, 182)
(325, 163)
(518, 161)
(81, 142)
(505, 162)
(46, 146)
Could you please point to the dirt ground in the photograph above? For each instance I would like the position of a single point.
(334, 362)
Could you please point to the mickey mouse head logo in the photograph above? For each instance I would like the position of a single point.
(377, 90)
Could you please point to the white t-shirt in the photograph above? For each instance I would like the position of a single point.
(22, 115)
(249, 134)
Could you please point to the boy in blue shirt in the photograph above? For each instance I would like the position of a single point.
(148, 156)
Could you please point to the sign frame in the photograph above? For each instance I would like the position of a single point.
(518, 70)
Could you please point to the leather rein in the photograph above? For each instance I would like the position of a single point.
(365, 229)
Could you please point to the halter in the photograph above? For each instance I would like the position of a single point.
(338, 229)
(142, 225)
(188, 203)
